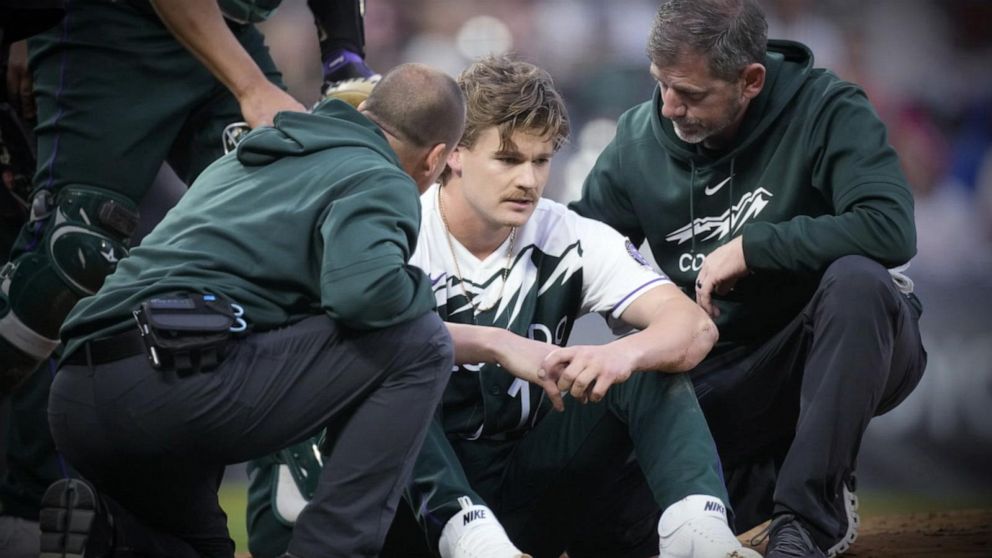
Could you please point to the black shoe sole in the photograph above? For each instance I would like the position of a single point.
(68, 510)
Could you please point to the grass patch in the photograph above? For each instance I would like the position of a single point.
(234, 500)
(901, 503)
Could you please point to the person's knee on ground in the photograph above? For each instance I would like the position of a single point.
(71, 243)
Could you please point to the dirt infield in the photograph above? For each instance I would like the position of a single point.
(955, 534)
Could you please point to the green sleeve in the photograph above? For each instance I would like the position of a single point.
(604, 199)
(437, 482)
(857, 171)
(369, 234)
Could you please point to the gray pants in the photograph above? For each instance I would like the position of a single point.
(155, 444)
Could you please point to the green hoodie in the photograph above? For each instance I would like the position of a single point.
(311, 215)
(809, 178)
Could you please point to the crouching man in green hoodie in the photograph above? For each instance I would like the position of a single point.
(768, 190)
(300, 241)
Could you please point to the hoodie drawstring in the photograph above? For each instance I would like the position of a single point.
(730, 187)
(692, 209)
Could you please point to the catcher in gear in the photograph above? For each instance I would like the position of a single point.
(176, 74)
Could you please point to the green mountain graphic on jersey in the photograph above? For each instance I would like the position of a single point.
(541, 300)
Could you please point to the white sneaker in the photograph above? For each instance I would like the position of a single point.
(696, 527)
(474, 532)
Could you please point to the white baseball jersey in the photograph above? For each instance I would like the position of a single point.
(563, 266)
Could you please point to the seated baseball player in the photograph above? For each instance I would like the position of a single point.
(500, 475)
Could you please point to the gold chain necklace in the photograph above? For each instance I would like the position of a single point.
(458, 272)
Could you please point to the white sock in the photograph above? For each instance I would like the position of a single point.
(474, 532)
(695, 505)
(696, 527)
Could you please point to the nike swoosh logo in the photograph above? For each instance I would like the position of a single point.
(710, 191)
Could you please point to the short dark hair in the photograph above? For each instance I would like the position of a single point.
(513, 96)
(730, 33)
(419, 105)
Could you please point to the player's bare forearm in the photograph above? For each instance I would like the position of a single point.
(200, 27)
(518, 355)
(676, 343)
(676, 334)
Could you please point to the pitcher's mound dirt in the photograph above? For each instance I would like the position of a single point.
(954, 534)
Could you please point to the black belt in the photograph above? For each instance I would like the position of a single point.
(107, 349)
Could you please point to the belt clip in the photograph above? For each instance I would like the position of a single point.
(143, 331)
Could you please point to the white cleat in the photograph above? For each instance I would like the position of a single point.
(696, 527)
(474, 532)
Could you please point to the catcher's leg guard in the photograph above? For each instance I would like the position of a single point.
(64, 252)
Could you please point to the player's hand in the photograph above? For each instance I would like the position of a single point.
(588, 371)
(20, 88)
(721, 270)
(524, 357)
(260, 104)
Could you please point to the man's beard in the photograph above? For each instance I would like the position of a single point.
(695, 134)
(698, 131)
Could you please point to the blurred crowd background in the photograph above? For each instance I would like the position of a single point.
(925, 64)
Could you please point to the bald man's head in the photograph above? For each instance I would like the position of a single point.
(422, 111)
(419, 105)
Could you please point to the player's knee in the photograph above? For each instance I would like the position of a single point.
(73, 241)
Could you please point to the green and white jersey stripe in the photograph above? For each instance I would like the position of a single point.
(564, 266)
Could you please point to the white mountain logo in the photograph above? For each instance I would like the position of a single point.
(730, 221)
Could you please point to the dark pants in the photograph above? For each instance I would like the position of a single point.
(32, 463)
(788, 416)
(118, 94)
(570, 483)
(156, 444)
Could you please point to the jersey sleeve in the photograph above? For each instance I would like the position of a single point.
(614, 272)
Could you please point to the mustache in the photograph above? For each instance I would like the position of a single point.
(521, 198)
(688, 122)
